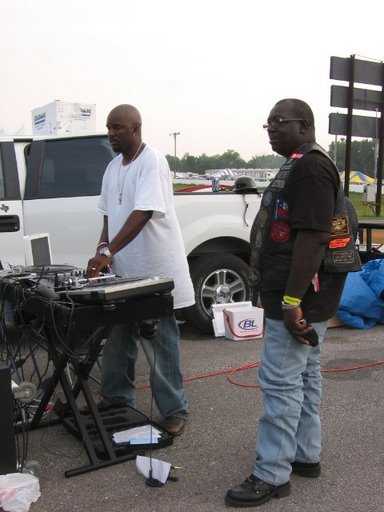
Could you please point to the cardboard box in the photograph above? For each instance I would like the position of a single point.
(243, 323)
(334, 322)
(63, 118)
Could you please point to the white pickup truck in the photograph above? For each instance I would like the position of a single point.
(51, 185)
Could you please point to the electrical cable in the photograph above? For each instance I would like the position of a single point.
(18, 353)
(151, 481)
(21, 433)
(231, 371)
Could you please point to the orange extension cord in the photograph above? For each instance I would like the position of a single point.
(231, 371)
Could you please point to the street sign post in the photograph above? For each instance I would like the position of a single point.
(366, 72)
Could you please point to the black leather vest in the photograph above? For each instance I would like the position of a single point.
(272, 238)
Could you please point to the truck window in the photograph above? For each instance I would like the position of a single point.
(74, 167)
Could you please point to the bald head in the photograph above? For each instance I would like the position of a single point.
(290, 124)
(299, 109)
(128, 112)
(124, 129)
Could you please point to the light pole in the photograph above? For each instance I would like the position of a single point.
(174, 135)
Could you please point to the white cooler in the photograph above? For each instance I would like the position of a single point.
(243, 323)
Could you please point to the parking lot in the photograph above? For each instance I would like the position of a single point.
(216, 449)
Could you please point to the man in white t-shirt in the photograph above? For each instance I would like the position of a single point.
(141, 237)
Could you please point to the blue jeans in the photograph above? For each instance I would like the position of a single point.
(290, 378)
(163, 355)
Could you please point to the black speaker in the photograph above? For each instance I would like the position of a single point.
(8, 461)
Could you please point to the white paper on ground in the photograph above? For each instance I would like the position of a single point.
(133, 435)
(160, 469)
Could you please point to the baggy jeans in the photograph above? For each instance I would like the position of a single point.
(163, 355)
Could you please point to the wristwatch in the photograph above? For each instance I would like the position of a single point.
(106, 252)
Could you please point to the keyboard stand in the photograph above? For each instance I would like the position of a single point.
(66, 322)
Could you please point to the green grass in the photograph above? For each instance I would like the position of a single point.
(177, 186)
(364, 211)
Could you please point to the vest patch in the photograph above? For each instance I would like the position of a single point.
(339, 243)
(282, 209)
(343, 257)
(280, 232)
(340, 226)
(267, 198)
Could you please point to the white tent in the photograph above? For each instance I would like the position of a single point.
(226, 172)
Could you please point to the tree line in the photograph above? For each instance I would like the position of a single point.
(362, 159)
(229, 160)
(363, 155)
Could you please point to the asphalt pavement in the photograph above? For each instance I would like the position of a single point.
(216, 450)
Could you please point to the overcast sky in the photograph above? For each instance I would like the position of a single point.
(209, 69)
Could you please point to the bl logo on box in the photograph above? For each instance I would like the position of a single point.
(248, 324)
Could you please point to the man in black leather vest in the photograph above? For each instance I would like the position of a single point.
(300, 227)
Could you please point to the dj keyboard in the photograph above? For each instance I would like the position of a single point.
(63, 282)
(117, 288)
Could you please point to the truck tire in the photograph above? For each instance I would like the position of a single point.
(217, 279)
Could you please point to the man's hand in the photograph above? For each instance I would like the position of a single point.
(298, 326)
(99, 263)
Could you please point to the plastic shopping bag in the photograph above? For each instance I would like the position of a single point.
(18, 491)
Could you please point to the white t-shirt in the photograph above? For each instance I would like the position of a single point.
(158, 250)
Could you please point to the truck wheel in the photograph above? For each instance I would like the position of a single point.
(217, 279)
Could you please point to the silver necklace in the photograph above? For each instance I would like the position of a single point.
(120, 179)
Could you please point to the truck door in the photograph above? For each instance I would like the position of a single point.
(11, 213)
(62, 187)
